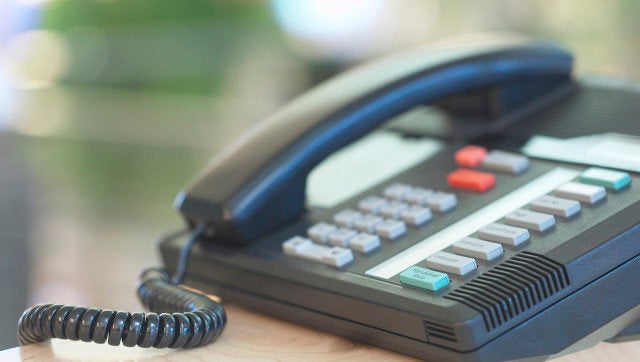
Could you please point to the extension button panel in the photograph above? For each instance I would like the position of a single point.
(520, 221)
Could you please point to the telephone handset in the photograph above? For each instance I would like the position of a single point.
(257, 184)
(462, 256)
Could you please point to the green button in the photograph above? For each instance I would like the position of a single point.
(614, 180)
(424, 278)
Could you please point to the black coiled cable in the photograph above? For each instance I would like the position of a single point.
(188, 319)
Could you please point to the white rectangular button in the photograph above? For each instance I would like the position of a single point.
(451, 263)
(341, 237)
(419, 196)
(581, 192)
(416, 215)
(530, 219)
(305, 249)
(504, 234)
(368, 223)
(295, 245)
(320, 232)
(556, 206)
(372, 204)
(336, 256)
(397, 191)
(391, 229)
(442, 201)
(364, 242)
(347, 217)
(477, 248)
(394, 209)
(505, 162)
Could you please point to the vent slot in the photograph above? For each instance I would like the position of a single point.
(512, 288)
(436, 330)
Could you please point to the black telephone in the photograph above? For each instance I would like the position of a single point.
(512, 233)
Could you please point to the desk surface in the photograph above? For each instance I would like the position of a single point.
(252, 335)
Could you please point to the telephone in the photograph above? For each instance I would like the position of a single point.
(473, 202)
(571, 281)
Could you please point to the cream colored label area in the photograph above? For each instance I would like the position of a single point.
(364, 164)
(466, 226)
(612, 150)
(620, 149)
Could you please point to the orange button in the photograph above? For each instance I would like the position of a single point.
(471, 180)
(470, 156)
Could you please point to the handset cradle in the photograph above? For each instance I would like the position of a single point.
(257, 184)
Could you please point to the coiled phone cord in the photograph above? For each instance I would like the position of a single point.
(188, 319)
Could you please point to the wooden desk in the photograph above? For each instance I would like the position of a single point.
(252, 335)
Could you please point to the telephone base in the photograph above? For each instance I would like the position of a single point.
(567, 287)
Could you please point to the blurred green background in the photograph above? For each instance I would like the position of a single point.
(108, 107)
(193, 74)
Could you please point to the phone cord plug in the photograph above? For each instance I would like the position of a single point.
(187, 319)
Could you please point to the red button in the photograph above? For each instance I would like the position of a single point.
(471, 180)
(470, 156)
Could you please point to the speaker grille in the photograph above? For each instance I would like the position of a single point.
(436, 330)
(512, 287)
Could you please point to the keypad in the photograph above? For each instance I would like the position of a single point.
(377, 218)
(382, 217)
